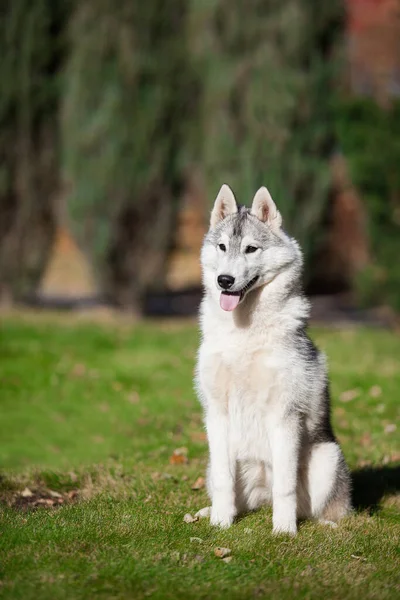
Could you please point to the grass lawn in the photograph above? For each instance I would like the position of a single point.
(90, 417)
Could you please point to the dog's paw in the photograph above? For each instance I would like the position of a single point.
(223, 520)
(222, 514)
(284, 526)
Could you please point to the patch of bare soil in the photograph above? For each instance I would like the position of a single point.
(28, 499)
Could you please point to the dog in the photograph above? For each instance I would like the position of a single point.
(261, 381)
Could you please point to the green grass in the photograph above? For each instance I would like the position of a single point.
(101, 409)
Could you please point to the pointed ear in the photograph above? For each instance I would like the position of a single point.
(225, 204)
(264, 208)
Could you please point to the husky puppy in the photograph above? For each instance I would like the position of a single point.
(262, 382)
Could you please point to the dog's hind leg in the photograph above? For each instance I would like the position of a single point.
(253, 489)
(327, 483)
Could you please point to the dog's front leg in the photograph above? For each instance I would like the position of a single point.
(285, 448)
(221, 469)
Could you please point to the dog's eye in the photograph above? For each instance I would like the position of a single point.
(222, 247)
(251, 249)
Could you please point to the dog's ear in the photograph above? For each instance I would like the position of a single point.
(264, 208)
(224, 205)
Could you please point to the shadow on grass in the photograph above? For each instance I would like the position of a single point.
(371, 484)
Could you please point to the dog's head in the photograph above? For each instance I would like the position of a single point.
(244, 248)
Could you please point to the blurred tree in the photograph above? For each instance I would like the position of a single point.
(268, 69)
(370, 138)
(129, 97)
(31, 48)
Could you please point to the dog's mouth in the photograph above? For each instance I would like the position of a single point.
(229, 300)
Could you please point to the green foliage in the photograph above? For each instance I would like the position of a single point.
(267, 113)
(370, 139)
(126, 101)
(104, 408)
(31, 48)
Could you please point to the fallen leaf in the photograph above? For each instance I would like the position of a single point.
(227, 559)
(203, 512)
(54, 494)
(349, 395)
(179, 456)
(221, 552)
(390, 428)
(199, 483)
(375, 391)
(358, 557)
(45, 501)
(26, 493)
(189, 519)
(196, 539)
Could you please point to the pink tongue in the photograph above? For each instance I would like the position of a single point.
(229, 301)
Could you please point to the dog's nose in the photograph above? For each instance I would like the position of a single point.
(225, 281)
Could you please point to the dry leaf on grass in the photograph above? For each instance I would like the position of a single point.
(188, 518)
(179, 456)
(203, 512)
(375, 391)
(28, 499)
(390, 428)
(196, 539)
(349, 395)
(54, 494)
(221, 552)
(227, 559)
(199, 484)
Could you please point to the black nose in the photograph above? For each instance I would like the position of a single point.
(225, 281)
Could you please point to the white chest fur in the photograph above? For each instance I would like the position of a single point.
(247, 384)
